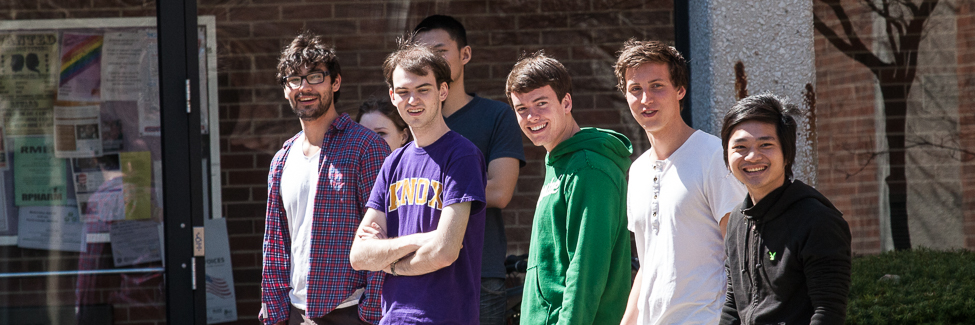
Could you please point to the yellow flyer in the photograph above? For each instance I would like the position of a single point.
(136, 184)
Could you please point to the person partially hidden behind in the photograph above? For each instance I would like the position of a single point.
(788, 247)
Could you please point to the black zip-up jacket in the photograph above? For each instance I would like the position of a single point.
(788, 260)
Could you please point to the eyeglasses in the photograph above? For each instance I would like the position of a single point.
(313, 78)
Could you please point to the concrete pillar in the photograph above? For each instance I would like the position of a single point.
(770, 44)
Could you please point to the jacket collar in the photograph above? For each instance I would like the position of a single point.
(758, 212)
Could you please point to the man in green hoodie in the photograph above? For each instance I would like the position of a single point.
(579, 260)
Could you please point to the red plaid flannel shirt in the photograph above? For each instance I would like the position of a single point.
(351, 157)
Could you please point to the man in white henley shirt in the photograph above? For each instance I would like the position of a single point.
(679, 196)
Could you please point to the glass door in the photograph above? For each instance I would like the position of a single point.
(101, 172)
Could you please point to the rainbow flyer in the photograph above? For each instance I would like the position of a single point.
(80, 74)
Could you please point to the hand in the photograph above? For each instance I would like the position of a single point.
(372, 231)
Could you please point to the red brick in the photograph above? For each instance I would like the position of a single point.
(514, 6)
(546, 21)
(360, 10)
(488, 23)
(565, 6)
(646, 18)
(462, 8)
(563, 37)
(255, 13)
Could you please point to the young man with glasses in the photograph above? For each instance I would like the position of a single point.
(318, 186)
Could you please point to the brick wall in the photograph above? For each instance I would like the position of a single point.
(849, 156)
(255, 118)
(845, 125)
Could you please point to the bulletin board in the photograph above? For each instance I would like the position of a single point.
(87, 89)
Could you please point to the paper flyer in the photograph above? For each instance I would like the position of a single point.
(76, 131)
(112, 137)
(28, 74)
(121, 65)
(79, 77)
(98, 188)
(52, 228)
(135, 242)
(40, 177)
(4, 162)
(4, 218)
(201, 43)
(137, 184)
(149, 118)
(221, 298)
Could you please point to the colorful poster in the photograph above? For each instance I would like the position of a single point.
(80, 73)
(136, 184)
(40, 176)
(221, 299)
(52, 228)
(76, 133)
(28, 72)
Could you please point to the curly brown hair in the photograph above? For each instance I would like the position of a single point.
(308, 50)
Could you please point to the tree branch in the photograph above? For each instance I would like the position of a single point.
(855, 49)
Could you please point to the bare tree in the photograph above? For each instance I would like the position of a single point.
(903, 20)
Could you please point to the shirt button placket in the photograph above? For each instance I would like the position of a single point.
(655, 204)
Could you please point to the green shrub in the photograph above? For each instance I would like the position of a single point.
(933, 287)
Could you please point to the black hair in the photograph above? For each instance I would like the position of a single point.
(448, 24)
(765, 108)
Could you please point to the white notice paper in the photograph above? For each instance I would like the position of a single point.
(135, 242)
(51, 227)
(121, 65)
(149, 123)
(76, 131)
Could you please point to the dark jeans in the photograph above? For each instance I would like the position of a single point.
(493, 301)
(342, 316)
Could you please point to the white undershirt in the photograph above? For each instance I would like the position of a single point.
(299, 182)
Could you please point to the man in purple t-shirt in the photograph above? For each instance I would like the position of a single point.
(425, 222)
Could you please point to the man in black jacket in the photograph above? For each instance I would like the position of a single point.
(788, 247)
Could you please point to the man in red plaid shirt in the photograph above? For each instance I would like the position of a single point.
(318, 186)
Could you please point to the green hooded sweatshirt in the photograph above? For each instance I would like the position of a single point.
(579, 259)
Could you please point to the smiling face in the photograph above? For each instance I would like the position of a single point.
(417, 98)
(441, 43)
(545, 119)
(652, 97)
(382, 125)
(310, 102)
(755, 158)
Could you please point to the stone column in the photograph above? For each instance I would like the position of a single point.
(740, 48)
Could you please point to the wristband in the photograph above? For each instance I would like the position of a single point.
(392, 267)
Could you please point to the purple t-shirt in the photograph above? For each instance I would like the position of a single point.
(412, 188)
